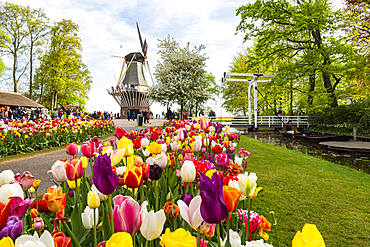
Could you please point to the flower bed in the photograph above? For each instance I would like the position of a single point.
(20, 136)
(183, 185)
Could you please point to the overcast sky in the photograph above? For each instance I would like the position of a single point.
(105, 26)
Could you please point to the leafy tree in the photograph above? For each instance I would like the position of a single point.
(13, 23)
(303, 31)
(62, 76)
(181, 75)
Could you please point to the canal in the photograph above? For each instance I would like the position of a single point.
(358, 161)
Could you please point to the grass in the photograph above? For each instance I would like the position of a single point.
(47, 150)
(303, 189)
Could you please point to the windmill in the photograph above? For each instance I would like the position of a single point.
(131, 85)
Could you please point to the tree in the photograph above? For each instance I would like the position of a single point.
(13, 22)
(37, 27)
(181, 75)
(303, 30)
(62, 76)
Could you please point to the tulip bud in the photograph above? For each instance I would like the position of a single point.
(93, 200)
(88, 217)
(72, 149)
(161, 160)
(36, 184)
(102, 197)
(84, 162)
(188, 171)
(38, 224)
(34, 213)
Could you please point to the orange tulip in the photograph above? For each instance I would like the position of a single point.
(133, 177)
(4, 213)
(54, 198)
(231, 196)
(60, 239)
(74, 169)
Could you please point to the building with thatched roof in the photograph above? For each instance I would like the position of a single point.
(15, 99)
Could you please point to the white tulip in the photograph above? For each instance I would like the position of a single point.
(247, 183)
(198, 138)
(152, 223)
(164, 147)
(161, 160)
(197, 146)
(211, 129)
(238, 160)
(187, 127)
(235, 184)
(188, 171)
(145, 142)
(58, 171)
(175, 146)
(150, 161)
(257, 243)
(8, 190)
(88, 217)
(235, 240)
(102, 197)
(46, 240)
(121, 170)
(6, 176)
(146, 153)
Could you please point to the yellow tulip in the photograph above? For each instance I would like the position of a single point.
(72, 184)
(106, 149)
(106, 143)
(84, 162)
(309, 237)
(93, 200)
(36, 183)
(154, 148)
(126, 144)
(6, 242)
(120, 239)
(179, 238)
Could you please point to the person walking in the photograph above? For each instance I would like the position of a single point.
(133, 116)
(128, 115)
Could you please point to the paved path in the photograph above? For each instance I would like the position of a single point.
(363, 147)
(40, 164)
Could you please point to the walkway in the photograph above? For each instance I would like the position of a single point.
(359, 147)
(40, 164)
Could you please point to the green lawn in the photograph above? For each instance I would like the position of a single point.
(303, 189)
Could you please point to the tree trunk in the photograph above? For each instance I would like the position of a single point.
(312, 88)
(14, 76)
(196, 110)
(31, 58)
(52, 101)
(55, 99)
(42, 88)
(291, 96)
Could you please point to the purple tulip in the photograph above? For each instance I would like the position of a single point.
(213, 208)
(127, 214)
(187, 198)
(104, 178)
(71, 193)
(18, 206)
(155, 172)
(218, 127)
(13, 228)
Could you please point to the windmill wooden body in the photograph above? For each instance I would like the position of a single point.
(131, 86)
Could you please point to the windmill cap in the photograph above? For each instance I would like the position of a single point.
(139, 57)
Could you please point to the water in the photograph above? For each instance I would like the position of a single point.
(358, 161)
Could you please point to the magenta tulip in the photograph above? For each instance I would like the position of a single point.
(127, 214)
(72, 149)
(88, 149)
(18, 206)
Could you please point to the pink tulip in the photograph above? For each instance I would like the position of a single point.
(181, 135)
(203, 123)
(18, 206)
(38, 224)
(191, 213)
(72, 149)
(25, 181)
(127, 214)
(88, 149)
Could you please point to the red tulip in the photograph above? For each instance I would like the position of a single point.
(120, 132)
(88, 149)
(137, 143)
(133, 135)
(60, 239)
(4, 213)
(74, 169)
(217, 149)
(72, 148)
(154, 136)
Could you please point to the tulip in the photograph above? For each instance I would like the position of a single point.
(38, 224)
(309, 236)
(231, 197)
(126, 144)
(154, 148)
(154, 135)
(171, 210)
(247, 183)
(146, 153)
(133, 177)
(34, 213)
(88, 149)
(161, 160)
(227, 131)
(235, 240)
(13, 228)
(54, 198)
(188, 171)
(116, 156)
(137, 143)
(104, 178)
(19, 206)
(120, 132)
(46, 240)
(238, 160)
(60, 239)
(88, 217)
(127, 214)
(84, 162)
(120, 239)
(101, 196)
(191, 214)
(93, 200)
(6, 177)
(6, 242)
(235, 184)
(26, 180)
(72, 149)
(58, 171)
(145, 142)
(175, 146)
(74, 169)
(213, 208)
(180, 238)
(152, 223)
(197, 146)
(9, 190)
(4, 213)
(211, 129)
(150, 160)
(210, 232)
(203, 123)
(181, 135)
(72, 184)
(187, 198)
(217, 149)
(155, 172)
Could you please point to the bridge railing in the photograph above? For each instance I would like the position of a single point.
(270, 121)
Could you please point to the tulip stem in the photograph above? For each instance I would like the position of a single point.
(91, 167)
(78, 195)
(198, 238)
(156, 195)
(274, 223)
(110, 212)
(37, 202)
(95, 240)
(218, 235)
(141, 194)
(228, 231)
(249, 213)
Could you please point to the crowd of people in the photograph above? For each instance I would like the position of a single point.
(105, 115)
(7, 112)
(147, 115)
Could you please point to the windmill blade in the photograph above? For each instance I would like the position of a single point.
(145, 50)
(144, 47)
(138, 30)
(151, 76)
